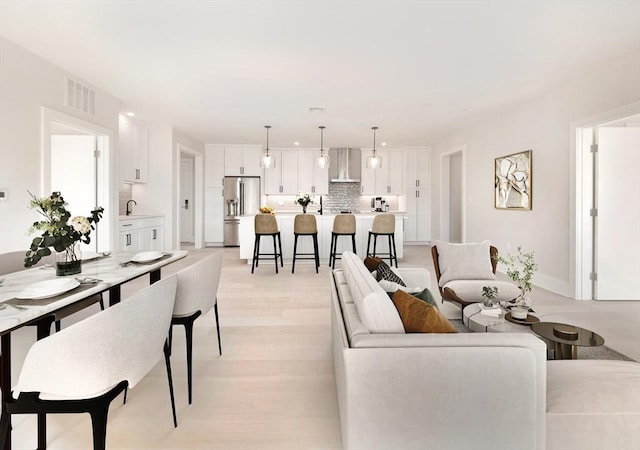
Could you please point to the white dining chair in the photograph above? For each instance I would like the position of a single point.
(195, 296)
(84, 367)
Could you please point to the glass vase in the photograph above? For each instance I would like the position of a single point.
(69, 261)
(304, 209)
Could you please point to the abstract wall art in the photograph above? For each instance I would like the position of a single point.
(513, 181)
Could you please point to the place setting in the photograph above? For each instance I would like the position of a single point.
(147, 257)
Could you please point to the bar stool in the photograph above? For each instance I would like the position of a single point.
(305, 225)
(383, 225)
(343, 225)
(266, 225)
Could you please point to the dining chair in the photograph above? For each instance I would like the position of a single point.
(195, 296)
(84, 367)
(383, 225)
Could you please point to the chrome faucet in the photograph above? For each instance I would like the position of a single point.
(128, 210)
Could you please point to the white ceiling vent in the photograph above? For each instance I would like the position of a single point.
(80, 97)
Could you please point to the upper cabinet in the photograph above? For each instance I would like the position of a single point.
(311, 178)
(242, 160)
(385, 180)
(283, 177)
(134, 151)
(213, 165)
(417, 163)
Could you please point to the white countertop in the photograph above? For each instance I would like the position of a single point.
(362, 214)
(136, 217)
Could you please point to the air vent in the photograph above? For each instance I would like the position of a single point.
(316, 108)
(80, 97)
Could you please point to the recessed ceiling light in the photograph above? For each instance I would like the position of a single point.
(316, 108)
(383, 143)
(131, 114)
(296, 143)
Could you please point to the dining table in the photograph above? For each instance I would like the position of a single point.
(34, 297)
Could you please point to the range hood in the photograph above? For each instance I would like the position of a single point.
(345, 165)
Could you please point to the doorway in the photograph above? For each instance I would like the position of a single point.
(187, 230)
(606, 244)
(195, 184)
(452, 214)
(76, 162)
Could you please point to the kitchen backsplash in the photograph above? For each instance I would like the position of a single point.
(124, 196)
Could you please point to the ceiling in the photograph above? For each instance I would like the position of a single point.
(221, 70)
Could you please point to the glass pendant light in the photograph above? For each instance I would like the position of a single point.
(374, 161)
(323, 158)
(267, 159)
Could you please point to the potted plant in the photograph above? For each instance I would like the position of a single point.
(303, 200)
(490, 293)
(520, 268)
(61, 232)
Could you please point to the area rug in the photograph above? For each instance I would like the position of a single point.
(600, 352)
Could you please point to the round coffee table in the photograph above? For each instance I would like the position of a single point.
(473, 318)
(566, 338)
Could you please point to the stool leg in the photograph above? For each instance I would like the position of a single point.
(256, 246)
(393, 239)
(295, 249)
(368, 244)
(333, 237)
(334, 249)
(353, 242)
(375, 243)
(390, 251)
(280, 250)
(315, 250)
(275, 252)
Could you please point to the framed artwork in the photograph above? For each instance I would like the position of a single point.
(513, 181)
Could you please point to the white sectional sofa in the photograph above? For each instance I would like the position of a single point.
(478, 391)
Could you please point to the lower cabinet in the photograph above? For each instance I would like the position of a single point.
(142, 234)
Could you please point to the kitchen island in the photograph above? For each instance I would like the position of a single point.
(325, 225)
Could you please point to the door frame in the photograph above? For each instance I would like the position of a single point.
(186, 158)
(445, 160)
(581, 182)
(198, 195)
(105, 189)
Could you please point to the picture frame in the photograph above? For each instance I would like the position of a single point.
(513, 181)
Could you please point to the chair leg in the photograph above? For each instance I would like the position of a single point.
(333, 237)
(275, 252)
(375, 243)
(170, 380)
(280, 249)
(334, 249)
(256, 248)
(369, 244)
(295, 249)
(5, 428)
(390, 251)
(188, 331)
(215, 310)
(99, 427)
(315, 251)
(395, 255)
(353, 242)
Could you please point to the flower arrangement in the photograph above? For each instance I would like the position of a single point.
(266, 210)
(303, 199)
(520, 268)
(59, 229)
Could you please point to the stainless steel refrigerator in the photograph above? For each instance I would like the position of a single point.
(241, 197)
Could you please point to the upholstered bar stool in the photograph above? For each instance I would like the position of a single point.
(266, 225)
(343, 225)
(383, 225)
(305, 225)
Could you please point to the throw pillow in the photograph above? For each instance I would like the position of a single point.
(419, 316)
(469, 261)
(384, 272)
(371, 263)
(426, 296)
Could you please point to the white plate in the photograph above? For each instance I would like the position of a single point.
(48, 288)
(146, 256)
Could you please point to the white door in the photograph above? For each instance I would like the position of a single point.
(618, 205)
(187, 233)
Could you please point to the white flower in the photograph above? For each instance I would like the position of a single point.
(81, 224)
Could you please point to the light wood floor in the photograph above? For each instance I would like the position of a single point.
(273, 388)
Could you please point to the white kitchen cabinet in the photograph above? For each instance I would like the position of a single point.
(283, 178)
(134, 151)
(311, 178)
(417, 167)
(418, 222)
(214, 158)
(213, 215)
(385, 180)
(242, 160)
(142, 234)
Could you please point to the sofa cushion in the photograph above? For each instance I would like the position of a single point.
(384, 272)
(468, 261)
(419, 316)
(426, 296)
(471, 290)
(378, 314)
(371, 262)
(358, 277)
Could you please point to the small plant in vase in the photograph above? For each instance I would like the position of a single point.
(303, 200)
(490, 293)
(520, 268)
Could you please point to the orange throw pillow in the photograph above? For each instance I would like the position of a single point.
(419, 316)
(371, 263)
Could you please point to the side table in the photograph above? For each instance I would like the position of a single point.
(566, 338)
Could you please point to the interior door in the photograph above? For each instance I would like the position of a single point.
(187, 232)
(618, 200)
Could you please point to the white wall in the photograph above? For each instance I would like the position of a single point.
(28, 82)
(543, 125)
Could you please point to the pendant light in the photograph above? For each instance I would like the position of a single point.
(374, 161)
(267, 159)
(323, 158)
